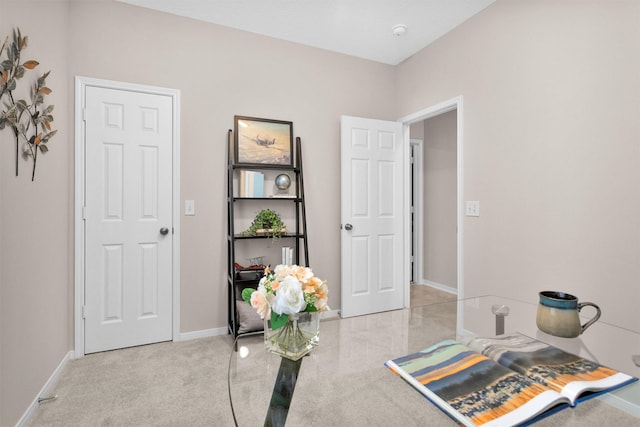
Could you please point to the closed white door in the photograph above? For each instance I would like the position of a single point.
(128, 218)
(372, 211)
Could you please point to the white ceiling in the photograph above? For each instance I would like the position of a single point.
(361, 28)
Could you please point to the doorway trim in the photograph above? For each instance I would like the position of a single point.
(427, 113)
(417, 222)
(81, 83)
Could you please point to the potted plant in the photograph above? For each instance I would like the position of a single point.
(267, 222)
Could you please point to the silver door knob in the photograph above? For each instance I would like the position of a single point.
(164, 231)
(348, 227)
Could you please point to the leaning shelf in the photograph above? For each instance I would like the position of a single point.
(238, 277)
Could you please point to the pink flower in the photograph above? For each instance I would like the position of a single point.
(301, 273)
(260, 303)
(322, 293)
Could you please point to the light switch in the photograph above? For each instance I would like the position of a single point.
(473, 208)
(189, 207)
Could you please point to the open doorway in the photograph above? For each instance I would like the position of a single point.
(436, 200)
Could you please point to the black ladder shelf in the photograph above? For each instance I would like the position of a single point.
(242, 278)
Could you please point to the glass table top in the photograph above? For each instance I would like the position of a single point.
(343, 381)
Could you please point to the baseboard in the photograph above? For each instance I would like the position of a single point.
(46, 389)
(626, 399)
(439, 286)
(204, 333)
(331, 314)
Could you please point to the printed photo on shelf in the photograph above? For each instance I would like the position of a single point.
(263, 141)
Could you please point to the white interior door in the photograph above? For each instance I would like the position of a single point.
(372, 211)
(128, 218)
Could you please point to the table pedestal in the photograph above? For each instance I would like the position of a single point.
(282, 392)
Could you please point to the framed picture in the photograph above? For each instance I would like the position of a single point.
(263, 141)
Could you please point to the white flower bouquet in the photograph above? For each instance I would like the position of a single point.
(289, 289)
(282, 295)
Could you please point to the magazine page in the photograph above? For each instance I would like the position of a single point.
(572, 376)
(472, 388)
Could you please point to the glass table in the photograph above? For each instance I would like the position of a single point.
(344, 381)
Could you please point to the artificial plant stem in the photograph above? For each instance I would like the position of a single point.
(15, 132)
(35, 158)
(34, 147)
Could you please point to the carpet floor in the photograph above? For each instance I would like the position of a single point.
(185, 384)
(165, 384)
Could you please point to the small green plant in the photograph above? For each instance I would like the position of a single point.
(267, 221)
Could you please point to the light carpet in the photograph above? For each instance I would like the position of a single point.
(165, 384)
(185, 384)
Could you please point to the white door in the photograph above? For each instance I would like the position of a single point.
(128, 218)
(372, 216)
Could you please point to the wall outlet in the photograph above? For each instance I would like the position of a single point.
(473, 208)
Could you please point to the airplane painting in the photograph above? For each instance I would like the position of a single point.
(263, 141)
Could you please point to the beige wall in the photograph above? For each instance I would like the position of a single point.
(440, 200)
(550, 122)
(35, 223)
(220, 72)
(551, 151)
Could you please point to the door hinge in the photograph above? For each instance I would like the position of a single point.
(84, 311)
(84, 114)
(84, 213)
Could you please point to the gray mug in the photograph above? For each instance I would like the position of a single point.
(558, 314)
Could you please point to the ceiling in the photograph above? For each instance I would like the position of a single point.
(361, 28)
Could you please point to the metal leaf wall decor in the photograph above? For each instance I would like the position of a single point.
(29, 120)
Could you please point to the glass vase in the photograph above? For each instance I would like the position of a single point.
(296, 338)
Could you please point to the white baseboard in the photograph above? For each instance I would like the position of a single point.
(331, 314)
(204, 333)
(439, 286)
(626, 399)
(46, 389)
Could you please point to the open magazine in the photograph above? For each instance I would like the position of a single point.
(511, 380)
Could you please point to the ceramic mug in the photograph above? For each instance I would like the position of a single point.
(558, 314)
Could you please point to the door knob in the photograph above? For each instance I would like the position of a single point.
(164, 231)
(348, 227)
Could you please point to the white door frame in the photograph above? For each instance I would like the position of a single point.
(418, 209)
(81, 83)
(427, 113)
